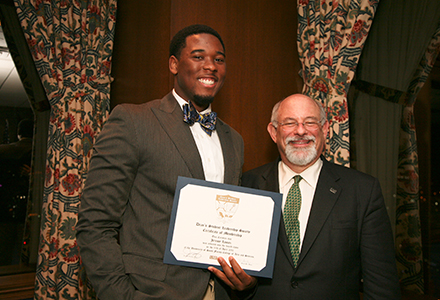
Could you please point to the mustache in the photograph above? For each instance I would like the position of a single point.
(299, 138)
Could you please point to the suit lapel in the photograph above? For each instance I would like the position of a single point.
(170, 116)
(284, 242)
(229, 158)
(269, 179)
(270, 182)
(326, 194)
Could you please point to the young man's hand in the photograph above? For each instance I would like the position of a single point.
(234, 277)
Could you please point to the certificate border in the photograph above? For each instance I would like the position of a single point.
(267, 271)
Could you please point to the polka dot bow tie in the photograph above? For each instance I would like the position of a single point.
(207, 121)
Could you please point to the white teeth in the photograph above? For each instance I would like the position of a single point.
(206, 81)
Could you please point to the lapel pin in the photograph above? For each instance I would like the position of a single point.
(333, 190)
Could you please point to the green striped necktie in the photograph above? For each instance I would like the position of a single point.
(291, 213)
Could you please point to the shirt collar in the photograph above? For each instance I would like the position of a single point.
(182, 102)
(309, 175)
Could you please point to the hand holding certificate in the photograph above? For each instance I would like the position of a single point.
(211, 220)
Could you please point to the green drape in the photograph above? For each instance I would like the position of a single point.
(396, 61)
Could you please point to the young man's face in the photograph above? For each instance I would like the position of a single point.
(200, 71)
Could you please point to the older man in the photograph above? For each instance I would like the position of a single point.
(335, 238)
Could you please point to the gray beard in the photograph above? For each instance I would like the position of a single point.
(301, 157)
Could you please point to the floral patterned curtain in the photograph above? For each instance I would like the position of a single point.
(71, 43)
(331, 35)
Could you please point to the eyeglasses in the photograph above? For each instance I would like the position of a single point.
(309, 125)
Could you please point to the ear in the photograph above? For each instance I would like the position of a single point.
(173, 64)
(272, 132)
(325, 129)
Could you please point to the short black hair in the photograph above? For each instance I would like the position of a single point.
(26, 128)
(179, 40)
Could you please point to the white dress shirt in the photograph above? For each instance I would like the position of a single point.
(307, 186)
(210, 149)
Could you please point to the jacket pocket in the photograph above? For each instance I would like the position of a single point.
(344, 223)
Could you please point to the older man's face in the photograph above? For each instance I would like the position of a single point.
(299, 135)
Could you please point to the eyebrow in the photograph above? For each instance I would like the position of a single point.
(305, 119)
(202, 50)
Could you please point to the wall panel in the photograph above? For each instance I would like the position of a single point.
(261, 51)
(140, 56)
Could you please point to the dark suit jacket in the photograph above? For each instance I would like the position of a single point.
(129, 194)
(348, 237)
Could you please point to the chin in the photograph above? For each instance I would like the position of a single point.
(301, 157)
(202, 100)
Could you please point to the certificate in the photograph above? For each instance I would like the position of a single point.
(211, 220)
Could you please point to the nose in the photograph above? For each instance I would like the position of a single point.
(210, 64)
(300, 129)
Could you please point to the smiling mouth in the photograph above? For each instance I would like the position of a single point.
(301, 142)
(207, 81)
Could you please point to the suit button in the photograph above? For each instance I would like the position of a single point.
(294, 284)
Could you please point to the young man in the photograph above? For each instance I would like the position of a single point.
(335, 230)
(128, 196)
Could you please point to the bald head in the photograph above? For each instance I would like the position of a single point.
(274, 116)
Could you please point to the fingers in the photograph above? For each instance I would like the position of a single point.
(221, 276)
(235, 277)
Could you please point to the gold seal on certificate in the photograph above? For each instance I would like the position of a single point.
(210, 220)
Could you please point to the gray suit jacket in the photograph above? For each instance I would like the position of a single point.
(128, 197)
(348, 238)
